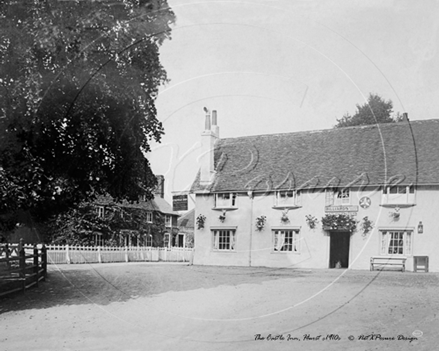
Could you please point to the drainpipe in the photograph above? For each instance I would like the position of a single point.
(251, 197)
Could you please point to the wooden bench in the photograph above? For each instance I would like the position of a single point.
(387, 261)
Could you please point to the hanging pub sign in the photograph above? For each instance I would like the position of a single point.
(180, 202)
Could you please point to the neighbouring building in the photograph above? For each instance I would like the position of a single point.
(185, 237)
(159, 227)
(318, 199)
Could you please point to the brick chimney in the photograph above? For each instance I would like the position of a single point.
(214, 127)
(209, 136)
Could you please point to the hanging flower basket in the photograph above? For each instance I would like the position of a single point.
(312, 221)
(367, 225)
(284, 217)
(222, 217)
(200, 220)
(396, 214)
(339, 222)
(261, 221)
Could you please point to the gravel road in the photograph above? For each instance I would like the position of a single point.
(157, 306)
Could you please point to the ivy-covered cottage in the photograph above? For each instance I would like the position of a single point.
(143, 223)
(359, 197)
(106, 222)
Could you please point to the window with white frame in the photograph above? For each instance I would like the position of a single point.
(337, 197)
(288, 198)
(286, 240)
(398, 194)
(225, 200)
(342, 197)
(98, 239)
(149, 240)
(100, 211)
(168, 221)
(167, 240)
(396, 242)
(149, 217)
(223, 240)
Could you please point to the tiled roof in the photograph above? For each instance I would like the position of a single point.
(157, 204)
(373, 155)
(187, 220)
(164, 206)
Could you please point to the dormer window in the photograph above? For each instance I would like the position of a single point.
(288, 198)
(398, 195)
(225, 200)
(343, 197)
(337, 197)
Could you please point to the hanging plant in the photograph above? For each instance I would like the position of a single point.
(222, 217)
(312, 221)
(367, 225)
(395, 215)
(200, 220)
(284, 217)
(261, 221)
(339, 222)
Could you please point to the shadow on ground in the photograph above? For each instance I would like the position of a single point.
(106, 283)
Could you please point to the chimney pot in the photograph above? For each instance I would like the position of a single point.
(207, 121)
(405, 117)
(214, 117)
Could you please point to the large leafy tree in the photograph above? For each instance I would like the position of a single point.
(78, 83)
(375, 110)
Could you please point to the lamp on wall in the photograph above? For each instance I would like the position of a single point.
(420, 228)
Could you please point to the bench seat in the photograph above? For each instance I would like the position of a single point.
(382, 262)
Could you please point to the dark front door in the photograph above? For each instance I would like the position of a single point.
(180, 239)
(339, 249)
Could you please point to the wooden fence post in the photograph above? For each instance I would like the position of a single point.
(67, 254)
(22, 264)
(44, 260)
(7, 256)
(126, 254)
(36, 267)
(99, 255)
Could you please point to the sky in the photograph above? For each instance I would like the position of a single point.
(273, 66)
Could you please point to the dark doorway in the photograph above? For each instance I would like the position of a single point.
(179, 240)
(339, 249)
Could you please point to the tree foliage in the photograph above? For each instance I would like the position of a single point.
(375, 110)
(78, 83)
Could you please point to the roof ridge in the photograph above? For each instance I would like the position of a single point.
(332, 129)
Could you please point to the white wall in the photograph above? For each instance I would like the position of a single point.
(315, 243)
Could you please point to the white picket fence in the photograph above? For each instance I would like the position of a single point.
(59, 254)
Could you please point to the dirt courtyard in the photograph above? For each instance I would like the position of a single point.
(154, 306)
